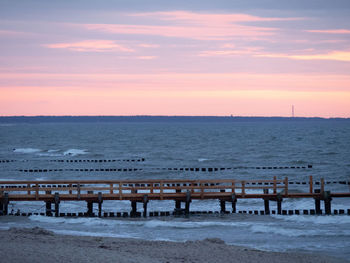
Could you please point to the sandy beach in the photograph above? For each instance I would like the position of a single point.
(39, 245)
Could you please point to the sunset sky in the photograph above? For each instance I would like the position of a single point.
(157, 57)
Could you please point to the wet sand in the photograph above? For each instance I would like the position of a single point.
(39, 245)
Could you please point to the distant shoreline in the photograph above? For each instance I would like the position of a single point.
(149, 118)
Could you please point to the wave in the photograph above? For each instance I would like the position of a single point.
(75, 152)
(89, 234)
(192, 224)
(203, 159)
(292, 232)
(317, 220)
(26, 150)
(143, 223)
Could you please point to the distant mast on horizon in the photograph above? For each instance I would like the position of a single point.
(292, 111)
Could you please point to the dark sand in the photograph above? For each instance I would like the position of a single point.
(38, 245)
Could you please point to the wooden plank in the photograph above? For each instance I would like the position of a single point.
(286, 186)
(310, 184)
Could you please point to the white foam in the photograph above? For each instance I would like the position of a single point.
(203, 159)
(143, 223)
(84, 221)
(75, 152)
(49, 154)
(292, 232)
(52, 151)
(192, 224)
(26, 150)
(88, 234)
(317, 220)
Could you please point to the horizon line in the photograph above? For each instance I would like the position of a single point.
(172, 116)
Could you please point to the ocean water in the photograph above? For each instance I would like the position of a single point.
(240, 146)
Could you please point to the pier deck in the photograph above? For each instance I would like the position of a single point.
(96, 191)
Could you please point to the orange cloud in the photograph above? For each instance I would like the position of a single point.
(91, 46)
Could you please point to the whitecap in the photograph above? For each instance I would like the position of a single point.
(89, 234)
(203, 159)
(26, 150)
(52, 151)
(292, 232)
(317, 220)
(74, 152)
(192, 224)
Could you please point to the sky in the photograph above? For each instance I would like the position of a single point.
(156, 57)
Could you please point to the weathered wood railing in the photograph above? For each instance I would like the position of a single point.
(95, 191)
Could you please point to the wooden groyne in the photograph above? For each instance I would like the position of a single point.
(180, 191)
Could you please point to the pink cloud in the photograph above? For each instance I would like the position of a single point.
(209, 18)
(231, 52)
(181, 82)
(146, 57)
(91, 46)
(334, 55)
(11, 33)
(331, 31)
(194, 32)
(191, 25)
(145, 45)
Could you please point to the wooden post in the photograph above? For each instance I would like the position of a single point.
(133, 212)
(222, 203)
(286, 186)
(36, 191)
(100, 201)
(234, 201)
(5, 203)
(327, 202)
(222, 206)
(279, 200)
(177, 204)
(322, 185)
(161, 190)
(78, 191)
(188, 201)
(266, 202)
(120, 191)
(318, 202)
(57, 204)
(243, 188)
(310, 184)
(90, 207)
(274, 185)
(145, 202)
(48, 211)
(202, 189)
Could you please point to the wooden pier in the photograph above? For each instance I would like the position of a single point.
(180, 191)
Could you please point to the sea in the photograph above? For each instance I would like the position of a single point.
(152, 148)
